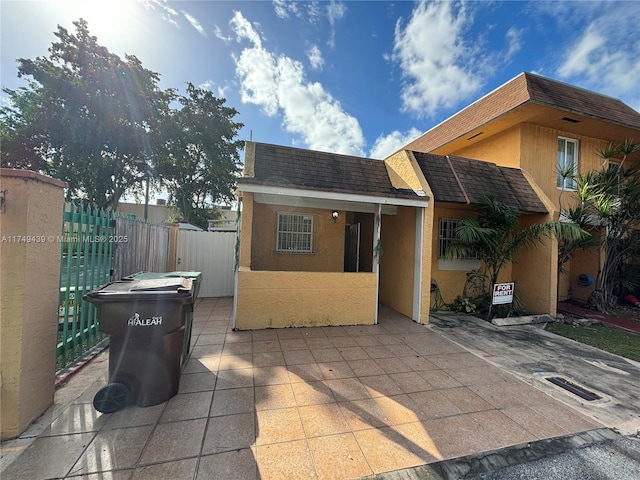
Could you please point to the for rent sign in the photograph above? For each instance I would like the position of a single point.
(502, 293)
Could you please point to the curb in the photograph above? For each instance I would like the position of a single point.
(496, 460)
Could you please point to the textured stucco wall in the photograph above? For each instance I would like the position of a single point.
(450, 282)
(535, 272)
(539, 157)
(502, 148)
(451, 275)
(398, 260)
(404, 171)
(328, 253)
(29, 275)
(304, 299)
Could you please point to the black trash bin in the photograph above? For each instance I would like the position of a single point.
(145, 320)
(197, 281)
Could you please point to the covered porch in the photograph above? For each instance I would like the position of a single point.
(356, 257)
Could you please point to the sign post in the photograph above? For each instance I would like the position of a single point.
(502, 293)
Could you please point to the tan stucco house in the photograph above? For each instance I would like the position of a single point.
(326, 238)
(536, 124)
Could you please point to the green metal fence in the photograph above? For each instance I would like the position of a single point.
(86, 256)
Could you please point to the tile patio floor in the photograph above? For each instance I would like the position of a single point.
(327, 403)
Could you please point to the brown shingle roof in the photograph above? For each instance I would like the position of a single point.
(322, 171)
(578, 100)
(524, 89)
(462, 180)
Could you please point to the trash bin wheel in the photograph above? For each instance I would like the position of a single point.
(111, 398)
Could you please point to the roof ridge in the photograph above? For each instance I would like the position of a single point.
(308, 150)
(574, 87)
(455, 175)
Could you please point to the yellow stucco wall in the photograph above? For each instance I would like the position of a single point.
(535, 271)
(397, 266)
(328, 253)
(450, 282)
(283, 299)
(502, 149)
(29, 276)
(427, 260)
(404, 171)
(539, 152)
(534, 149)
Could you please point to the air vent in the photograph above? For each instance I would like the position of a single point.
(570, 120)
(474, 136)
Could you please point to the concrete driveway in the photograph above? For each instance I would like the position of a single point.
(533, 354)
(327, 403)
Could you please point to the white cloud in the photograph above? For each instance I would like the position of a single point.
(513, 42)
(244, 30)
(436, 60)
(603, 61)
(315, 58)
(601, 46)
(335, 12)
(208, 85)
(217, 31)
(222, 91)
(278, 85)
(313, 10)
(286, 8)
(385, 145)
(168, 13)
(283, 8)
(194, 23)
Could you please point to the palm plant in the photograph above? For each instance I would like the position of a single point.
(609, 207)
(496, 237)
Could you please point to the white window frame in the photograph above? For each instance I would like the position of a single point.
(561, 162)
(296, 235)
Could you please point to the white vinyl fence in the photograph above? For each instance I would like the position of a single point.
(211, 253)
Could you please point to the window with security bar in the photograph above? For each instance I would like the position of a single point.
(447, 236)
(295, 233)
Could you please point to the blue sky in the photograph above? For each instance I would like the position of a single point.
(353, 77)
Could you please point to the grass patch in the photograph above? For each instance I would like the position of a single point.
(604, 337)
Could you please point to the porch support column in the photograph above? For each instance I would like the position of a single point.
(417, 266)
(377, 250)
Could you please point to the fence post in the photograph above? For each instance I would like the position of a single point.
(173, 246)
(29, 269)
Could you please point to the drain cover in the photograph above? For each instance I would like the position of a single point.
(573, 388)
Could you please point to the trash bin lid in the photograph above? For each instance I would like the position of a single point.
(149, 289)
(161, 284)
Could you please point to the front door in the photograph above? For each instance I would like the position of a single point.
(352, 248)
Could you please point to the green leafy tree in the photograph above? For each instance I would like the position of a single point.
(608, 205)
(200, 159)
(496, 237)
(87, 117)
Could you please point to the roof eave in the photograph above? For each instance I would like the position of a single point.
(245, 185)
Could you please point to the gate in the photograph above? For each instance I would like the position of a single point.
(86, 254)
(211, 253)
(98, 247)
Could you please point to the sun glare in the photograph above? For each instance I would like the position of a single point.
(112, 21)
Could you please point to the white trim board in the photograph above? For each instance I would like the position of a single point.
(274, 191)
